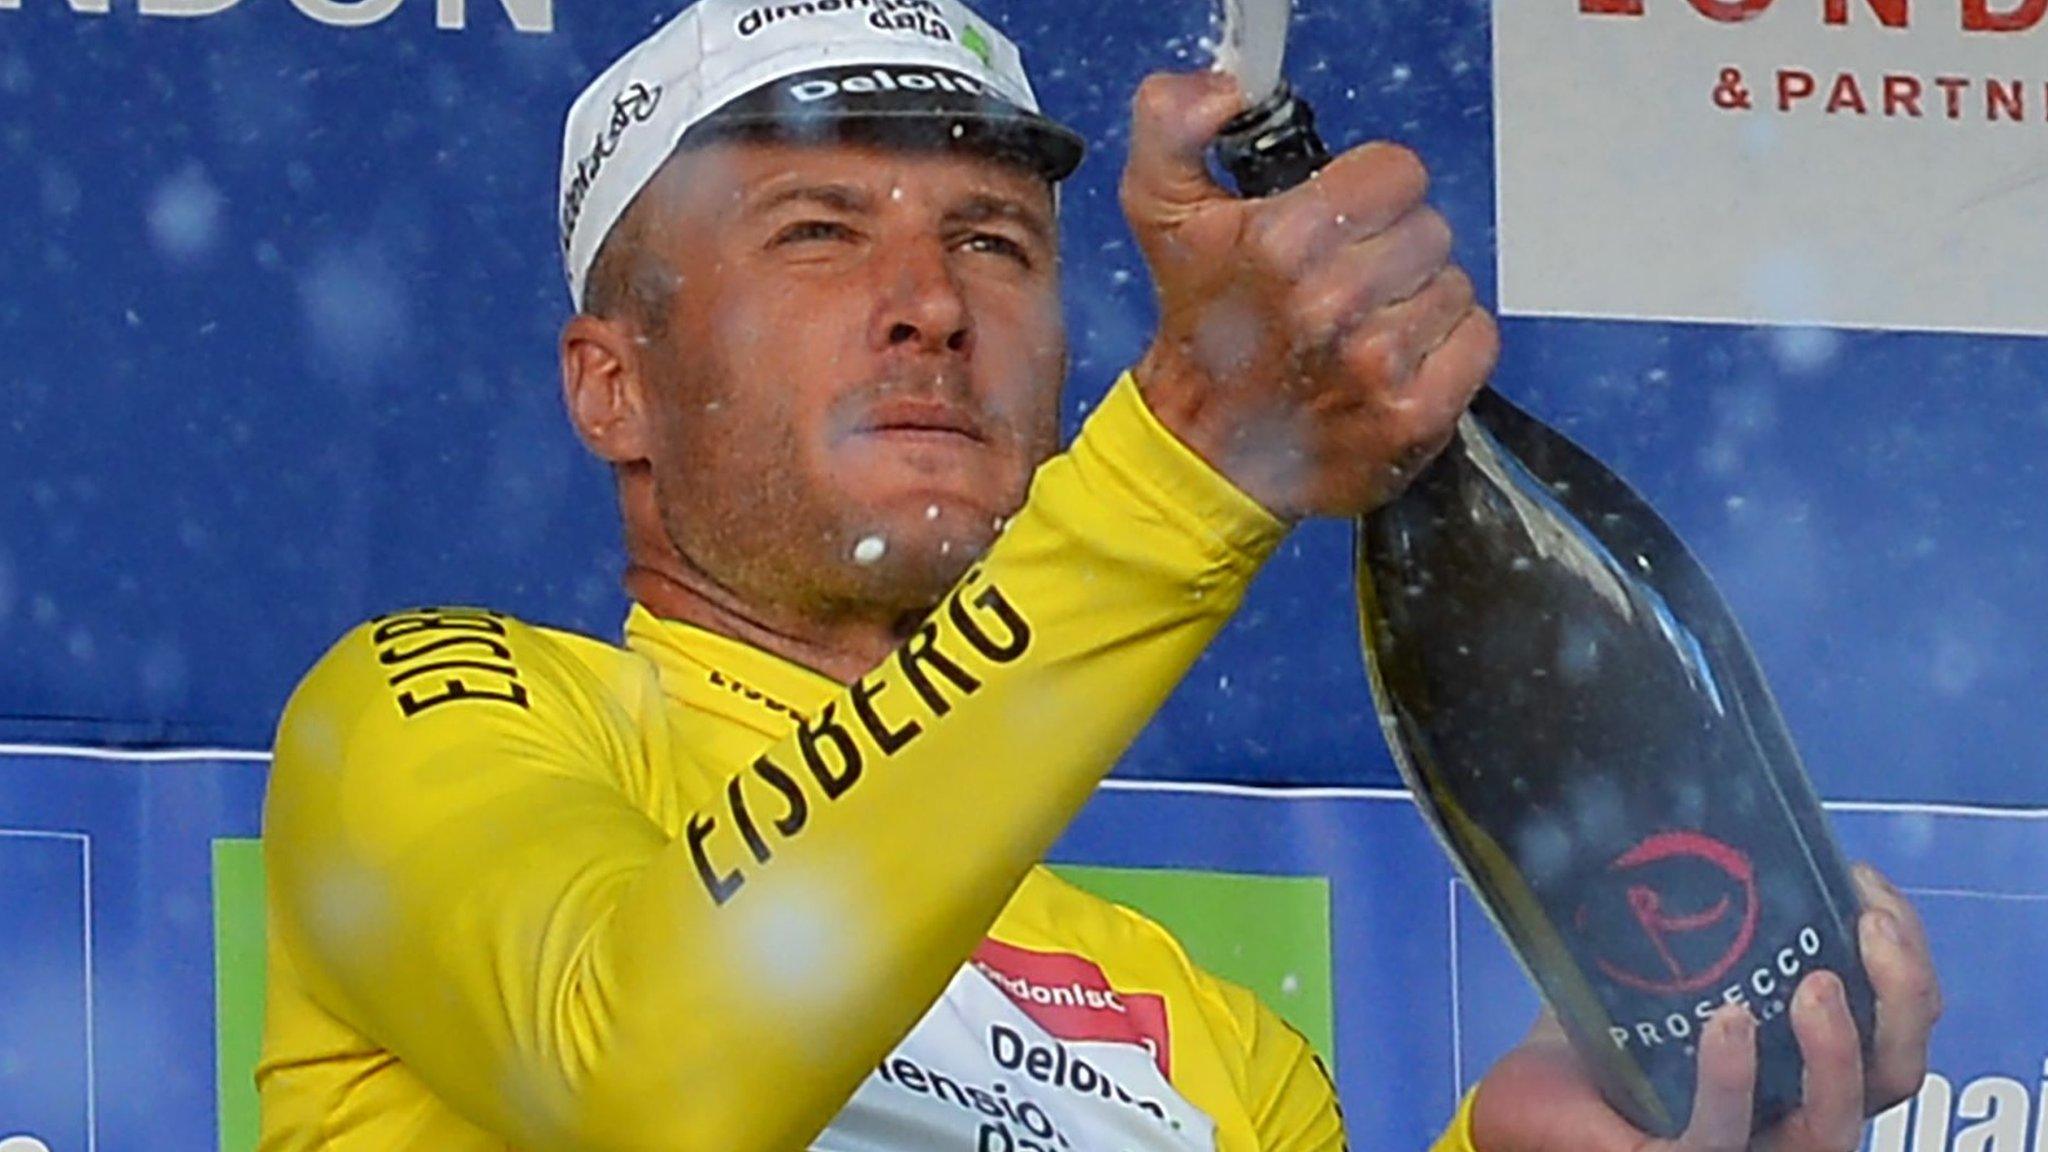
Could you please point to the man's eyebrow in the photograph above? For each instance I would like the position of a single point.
(984, 207)
(837, 197)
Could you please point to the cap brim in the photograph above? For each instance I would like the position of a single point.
(915, 106)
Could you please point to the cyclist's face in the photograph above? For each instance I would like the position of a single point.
(860, 370)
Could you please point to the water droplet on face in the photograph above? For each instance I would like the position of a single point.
(870, 549)
(931, 512)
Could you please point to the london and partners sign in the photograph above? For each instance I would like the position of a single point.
(1851, 163)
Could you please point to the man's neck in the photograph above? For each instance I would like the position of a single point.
(843, 649)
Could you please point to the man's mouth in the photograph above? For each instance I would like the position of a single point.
(921, 419)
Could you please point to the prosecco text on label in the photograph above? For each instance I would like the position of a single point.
(1764, 991)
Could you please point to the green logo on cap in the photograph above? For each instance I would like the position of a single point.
(975, 41)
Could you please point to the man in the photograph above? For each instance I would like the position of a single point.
(766, 878)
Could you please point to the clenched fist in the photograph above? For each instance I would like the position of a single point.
(1317, 347)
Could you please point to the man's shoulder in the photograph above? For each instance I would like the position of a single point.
(1050, 915)
(457, 661)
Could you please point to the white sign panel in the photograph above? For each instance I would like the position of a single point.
(1845, 163)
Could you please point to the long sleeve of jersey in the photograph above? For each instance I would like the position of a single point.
(456, 874)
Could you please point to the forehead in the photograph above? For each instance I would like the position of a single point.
(729, 176)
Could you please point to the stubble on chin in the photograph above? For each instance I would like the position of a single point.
(906, 572)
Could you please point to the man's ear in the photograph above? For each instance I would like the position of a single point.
(604, 385)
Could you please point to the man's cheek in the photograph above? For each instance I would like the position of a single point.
(1023, 393)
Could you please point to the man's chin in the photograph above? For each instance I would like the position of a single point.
(914, 564)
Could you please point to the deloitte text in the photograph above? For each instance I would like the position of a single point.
(525, 15)
(883, 80)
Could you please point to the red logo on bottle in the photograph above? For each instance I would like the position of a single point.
(1677, 911)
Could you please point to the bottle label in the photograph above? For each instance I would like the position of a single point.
(1679, 928)
(1672, 915)
(1763, 990)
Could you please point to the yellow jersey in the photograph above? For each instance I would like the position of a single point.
(528, 890)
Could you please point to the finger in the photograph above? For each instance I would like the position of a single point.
(1830, 1117)
(1174, 119)
(1721, 1101)
(1349, 287)
(1900, 964)
(1908, 1004)
(1443, 387)
(1878, 892)
(1424, 412)
(1363, 193)
(1428, 320)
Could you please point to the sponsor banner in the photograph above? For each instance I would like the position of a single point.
(46, 1049)
(107, 1009)
(1851, 163)
(133, 891)
(532, 16)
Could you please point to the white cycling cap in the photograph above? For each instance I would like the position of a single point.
(928, 72)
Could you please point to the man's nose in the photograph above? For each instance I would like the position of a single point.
(923, 308)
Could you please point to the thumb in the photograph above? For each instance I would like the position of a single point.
(1174, 119)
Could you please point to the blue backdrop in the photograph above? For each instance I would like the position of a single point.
(110, 888)
(278, 302)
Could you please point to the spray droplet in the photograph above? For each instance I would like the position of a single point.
(931, 512)
(870, 549)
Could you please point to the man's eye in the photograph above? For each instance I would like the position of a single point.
(998, 245)
(806, 231)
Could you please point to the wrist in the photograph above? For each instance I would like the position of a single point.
(1182, 398)
(1129, 449)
